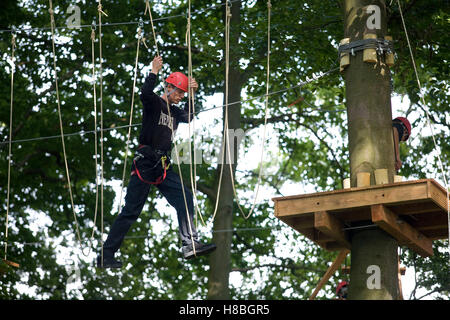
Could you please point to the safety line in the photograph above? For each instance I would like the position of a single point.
(255, 229)
(80, 133)
(269, 6)
(140, 30)
(13, 67)
(148, 8)
(191, 104)
(225, 128)
(101, 13)
(422, 98)
(52, 23)
(95, 127)
(114, 23)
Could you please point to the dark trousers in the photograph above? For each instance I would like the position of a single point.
(137, 193)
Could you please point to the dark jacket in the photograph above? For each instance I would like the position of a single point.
(156, 123)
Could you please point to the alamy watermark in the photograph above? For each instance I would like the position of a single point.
(374, 20)
(212, 151)
(374, 280)
(74, 279)
(74, 20)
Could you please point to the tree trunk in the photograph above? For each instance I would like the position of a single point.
(220, 259)
(371, 147)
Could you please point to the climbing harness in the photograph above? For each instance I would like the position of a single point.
(149, 167)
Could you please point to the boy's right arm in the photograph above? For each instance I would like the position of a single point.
(147, 94)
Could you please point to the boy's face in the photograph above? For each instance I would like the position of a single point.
(405, 135)
(176, 96)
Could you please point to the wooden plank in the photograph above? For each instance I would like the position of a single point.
(436, 234)
(331, 226)
(302, 222)
(403, 232)
(437, 194)
(316, 236)
(331, 270)
(12, 264)
(399, 193)
(325, 193)
(413, 207)
(334, 246)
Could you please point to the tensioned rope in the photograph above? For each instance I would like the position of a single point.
(52, 23)
(100, 47)
(140, 30)
(308, 81)
(191, 108)
(225, 127)
(77, 230)
(266, 114)
(95, 127)
(226, 135)
(18, 30)
(148, 8)
(235, 230)
(13, 66)
(422, 98)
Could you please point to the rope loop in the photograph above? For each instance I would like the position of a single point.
(99, 8)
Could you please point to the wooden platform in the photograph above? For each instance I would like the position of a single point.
(413, 212)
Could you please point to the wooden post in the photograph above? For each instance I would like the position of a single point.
(331, 270)
(374, 252)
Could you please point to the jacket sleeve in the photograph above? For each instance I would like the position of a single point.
(148, 97)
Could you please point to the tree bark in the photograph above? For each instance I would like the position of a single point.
(371, 147)
(220, 259)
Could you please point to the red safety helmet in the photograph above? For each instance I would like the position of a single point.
(179, 80)
(340, 286)
(406, 124)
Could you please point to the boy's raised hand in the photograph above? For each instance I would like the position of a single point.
(157, 64)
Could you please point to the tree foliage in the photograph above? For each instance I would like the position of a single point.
(269, 261)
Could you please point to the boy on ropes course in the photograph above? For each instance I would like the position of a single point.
(401, 130)
(151, 166)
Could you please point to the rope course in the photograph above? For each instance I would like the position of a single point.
(301, 84)
(191, 102)
(95, 127)
(148, 8)
(18, 30)
(100, 45)
(266, 114)
(235, 230)
(422, 99)
(13, 66)
(52, 23)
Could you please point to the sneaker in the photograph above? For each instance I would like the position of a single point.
(108, 262)
(200, 249)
